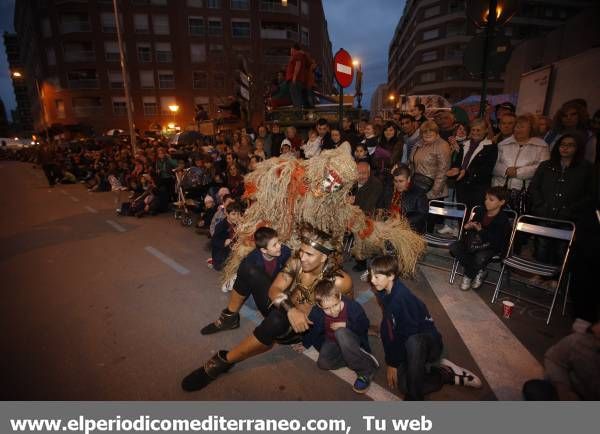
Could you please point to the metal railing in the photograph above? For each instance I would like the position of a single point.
(81, 56)
(288, 34)
(84, 83)
(75, 26)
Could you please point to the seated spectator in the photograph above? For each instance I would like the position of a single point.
(486, 236)
(312, 147)
(206, 215)
(224, 235)
(224, 200)
(340, 334)
(518, 158)
(430, 160)
(235, 181)
(402, 198)
(411, 341)
(571, 369)
(473, 169)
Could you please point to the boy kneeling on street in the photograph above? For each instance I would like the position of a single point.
(339, 333)
(411, 341)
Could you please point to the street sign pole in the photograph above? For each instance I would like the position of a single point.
(489, 31)
(341, 109)
(344, 73)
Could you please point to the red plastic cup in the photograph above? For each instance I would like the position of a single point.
(507, 308)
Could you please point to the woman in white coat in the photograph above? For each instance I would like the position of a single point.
(520, 155)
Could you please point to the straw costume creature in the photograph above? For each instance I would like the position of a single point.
(286, 192)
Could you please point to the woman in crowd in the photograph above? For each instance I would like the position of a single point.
(474, 166)
(519, 157)
(235, 180)
(430, 160)
(390, 141)
(573, 116)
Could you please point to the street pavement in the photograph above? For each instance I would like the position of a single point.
(101, 307)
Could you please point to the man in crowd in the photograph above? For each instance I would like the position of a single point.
(506, 126)
(292, 296)
(501, 110)
(410, 134)
(420, 114)
(446, 123)
(324, 132)
(295, 74)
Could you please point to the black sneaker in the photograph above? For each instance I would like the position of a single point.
(226, 321)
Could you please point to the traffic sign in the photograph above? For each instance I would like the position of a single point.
(343, 69)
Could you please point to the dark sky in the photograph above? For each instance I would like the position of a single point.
(363, 27)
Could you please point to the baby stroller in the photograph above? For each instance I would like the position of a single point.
(186, 180)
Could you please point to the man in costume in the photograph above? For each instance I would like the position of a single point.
(292, 296)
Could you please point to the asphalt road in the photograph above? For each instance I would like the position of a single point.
(91, 310)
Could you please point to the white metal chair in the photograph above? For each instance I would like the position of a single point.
(539, 226)
(451, 210)
(512, 217)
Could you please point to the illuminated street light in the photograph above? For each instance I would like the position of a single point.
(19, 76)
(174, 108)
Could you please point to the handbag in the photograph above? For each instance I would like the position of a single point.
(518, 200)
(422, 182)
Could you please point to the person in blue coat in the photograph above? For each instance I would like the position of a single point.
(254, 277)
(339, 333)
(411, 341)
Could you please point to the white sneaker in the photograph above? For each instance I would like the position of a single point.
(447, 230)
(465, 285)
(580, 325)
(479, 279)
(462, 376)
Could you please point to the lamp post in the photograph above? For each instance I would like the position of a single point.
(489, 14)
(358, 85)
(18, 75)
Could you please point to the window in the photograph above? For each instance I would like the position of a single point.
(428, 56)
(198, 53)
(215, 52)
(87, 106)
(431, 34)
(119, 105)
(163, 52)
(115, 79)
(215, 27)
(431, 12)
(213, 4)
(200, 80)
(150, 105)
(427, 77)
(204, 101)
(456, 28)
(455, 52)
(240, 28)
(141, 24)
(304, 7)
(46, 28)
(83, 79)
(240, 4)
(79, 52)
(160, 24)
(147, 79)
(70, 23)
(196, 26)
(304, 38)
(242, 50)
(144, 52)
(195, 3)
(59, 105)
(165, 102)
(108, 22)
(219, 80)
(50, 56)
(166, 80)
(111, 51)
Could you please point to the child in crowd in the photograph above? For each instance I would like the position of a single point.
(411, 341)
(286, 147)
(206, 215)
(312, 146)
(486, 236)
(219, 215)
(259, 148)
(339, 333)
(224, 235)
(361, 154)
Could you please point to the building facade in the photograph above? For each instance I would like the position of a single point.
(178, 53)
(426, 52)
(22, 117)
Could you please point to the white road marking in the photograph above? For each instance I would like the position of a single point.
(503, 360)
(116, 226)
(167, 260)
(375, 392)
(63, 191)
(73, 198)
(92, 210)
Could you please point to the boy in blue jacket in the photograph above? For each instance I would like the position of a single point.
(339, 333)
(410, 339)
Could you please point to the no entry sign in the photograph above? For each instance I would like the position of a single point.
(342, 67)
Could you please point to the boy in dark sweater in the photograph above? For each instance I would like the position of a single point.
(492, 227)
(410, 339)
(339, 333)
(223, 236)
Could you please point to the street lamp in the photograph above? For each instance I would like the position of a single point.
(18, 75)
(358, 84)
(174, 108)
(488, 14)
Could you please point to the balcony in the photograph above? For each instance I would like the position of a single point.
(276, 6)
(164, 56)
(87, 111)
(84, 83)
(75, 27)
(80, 56)
(285, 34)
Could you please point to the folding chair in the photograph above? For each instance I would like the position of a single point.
(512, 218)
(527, 224)
(452, 210)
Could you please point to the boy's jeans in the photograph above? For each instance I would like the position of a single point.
(414, 380)
(346, 351)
